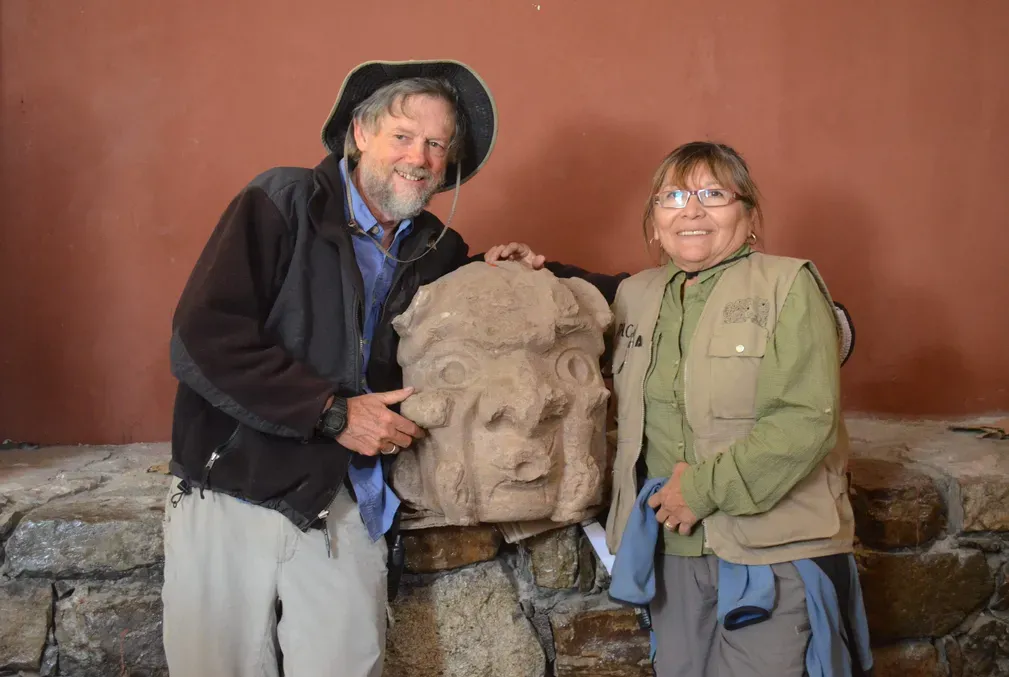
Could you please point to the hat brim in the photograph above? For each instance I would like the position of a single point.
(475, 103)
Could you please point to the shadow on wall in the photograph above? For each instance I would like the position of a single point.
(843, 240)
(588, 178)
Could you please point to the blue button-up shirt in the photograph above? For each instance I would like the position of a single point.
(375, 499)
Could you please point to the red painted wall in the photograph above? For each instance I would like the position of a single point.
(879, 133)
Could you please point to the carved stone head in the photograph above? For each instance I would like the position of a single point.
(505, 362)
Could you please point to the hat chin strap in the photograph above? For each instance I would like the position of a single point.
(354, 226)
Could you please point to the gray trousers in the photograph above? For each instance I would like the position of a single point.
(691, 643)
(228, 562)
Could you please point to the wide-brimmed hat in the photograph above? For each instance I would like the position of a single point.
(475, 103)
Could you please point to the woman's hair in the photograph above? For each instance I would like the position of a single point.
(724, 163)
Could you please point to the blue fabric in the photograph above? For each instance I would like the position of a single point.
(747, 594)
(856, 616)
(633, 577)
(826, 654)
(375, 499)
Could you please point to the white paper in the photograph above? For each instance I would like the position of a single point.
(597, 538)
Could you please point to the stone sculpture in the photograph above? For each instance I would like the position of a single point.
(505, 362)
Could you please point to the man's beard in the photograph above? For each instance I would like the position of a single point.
(395, 206)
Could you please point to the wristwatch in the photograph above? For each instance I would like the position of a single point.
(334, 420)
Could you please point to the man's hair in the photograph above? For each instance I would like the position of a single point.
(390, 99)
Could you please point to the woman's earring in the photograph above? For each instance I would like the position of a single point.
(752, 237)
(655, 237)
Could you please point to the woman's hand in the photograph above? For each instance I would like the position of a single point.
(671, 510)
(515, 251)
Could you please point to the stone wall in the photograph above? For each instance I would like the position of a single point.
(81, 544)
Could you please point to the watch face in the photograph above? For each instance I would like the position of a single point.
(336, 419)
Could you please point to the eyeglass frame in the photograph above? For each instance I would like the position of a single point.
(733, 196)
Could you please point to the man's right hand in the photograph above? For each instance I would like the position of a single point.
(372, 428)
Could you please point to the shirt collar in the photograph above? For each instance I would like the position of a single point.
(365, 218)
(673, 270)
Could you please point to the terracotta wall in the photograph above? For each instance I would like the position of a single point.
(878, 132)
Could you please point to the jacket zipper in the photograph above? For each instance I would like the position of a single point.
(217, 453)
(325, 532)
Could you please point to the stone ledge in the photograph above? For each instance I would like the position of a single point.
(972, 473)
(85, 522)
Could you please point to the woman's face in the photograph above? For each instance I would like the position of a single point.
(698, 237)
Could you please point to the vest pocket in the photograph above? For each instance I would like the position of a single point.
(735, 352)
(808, 512)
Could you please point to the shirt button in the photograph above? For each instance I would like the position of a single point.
(740, 349)
(679, 444)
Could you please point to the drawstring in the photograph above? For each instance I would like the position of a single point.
(184, 490)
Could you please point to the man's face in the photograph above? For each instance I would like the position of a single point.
(403, 158)
(506, 366)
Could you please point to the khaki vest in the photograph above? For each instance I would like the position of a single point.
(720, 382)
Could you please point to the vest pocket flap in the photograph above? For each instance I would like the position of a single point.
(738, 340)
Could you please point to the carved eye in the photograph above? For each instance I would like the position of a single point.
(453, 371)
(575, 365)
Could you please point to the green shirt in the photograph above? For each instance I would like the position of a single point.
(785, 445)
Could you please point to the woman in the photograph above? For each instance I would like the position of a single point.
(726, 378)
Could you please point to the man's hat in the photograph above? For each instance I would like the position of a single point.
(475, 104)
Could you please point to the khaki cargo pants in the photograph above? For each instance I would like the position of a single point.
(228, 563)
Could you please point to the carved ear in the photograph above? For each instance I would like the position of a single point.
(590, 300)
(405, 323)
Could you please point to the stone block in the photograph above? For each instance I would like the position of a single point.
(599, 639)
(25, 612)
(895, 506)
(464, 623)
(909, 595)
(985, 648)
(443, 548)
(554, 558)
(916, 659)
(112, 627)
(950, 650)
(87, 536)
(1000, 602)
(985, 502)
(586, 566)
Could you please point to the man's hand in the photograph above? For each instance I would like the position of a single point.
(671, 510)
(373, 429)
(515, 251)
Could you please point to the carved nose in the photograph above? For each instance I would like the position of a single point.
(525, 400)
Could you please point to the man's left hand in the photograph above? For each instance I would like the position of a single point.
(671, 511)
(515, 251)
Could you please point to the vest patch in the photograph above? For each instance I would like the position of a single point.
(755, 310)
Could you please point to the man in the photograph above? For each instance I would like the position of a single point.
(288, 381)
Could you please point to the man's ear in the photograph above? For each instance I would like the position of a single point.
(361, 136)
